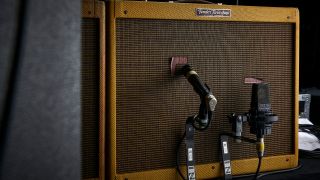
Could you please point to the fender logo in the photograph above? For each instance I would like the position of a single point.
(213, 12)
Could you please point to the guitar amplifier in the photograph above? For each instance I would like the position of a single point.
(93, 90)
(147, 107)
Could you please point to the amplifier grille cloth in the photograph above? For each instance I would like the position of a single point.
(90, 98)
(152, 106)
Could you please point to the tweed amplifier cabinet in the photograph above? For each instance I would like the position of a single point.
(147, 107)
(93, 90)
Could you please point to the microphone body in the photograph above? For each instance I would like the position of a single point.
(199, 87)
(208, 101)
(260, 115)
(193, 78)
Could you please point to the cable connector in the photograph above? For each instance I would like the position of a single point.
(260, 147)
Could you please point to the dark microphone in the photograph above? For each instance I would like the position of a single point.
(260, 114)
(199, 87)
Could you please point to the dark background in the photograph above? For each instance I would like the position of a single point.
(40, 89)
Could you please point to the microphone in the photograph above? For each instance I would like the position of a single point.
(208, 101)
(199, 87)
(260, 115)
